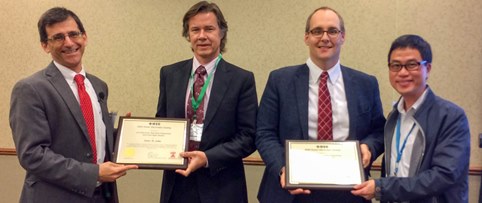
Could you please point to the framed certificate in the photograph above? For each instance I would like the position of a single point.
(323, 164)
(152, 143)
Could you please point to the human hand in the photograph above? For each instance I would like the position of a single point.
(296, 191)
(366, 155)
(365, 190)
(109, 172)
(196, 160)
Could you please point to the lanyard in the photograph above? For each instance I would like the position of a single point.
(400, 151)
(196, 102)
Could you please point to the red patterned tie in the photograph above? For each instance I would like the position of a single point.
(198, 84)
(325, 119)
(87, 111)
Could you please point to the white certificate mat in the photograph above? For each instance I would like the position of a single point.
(323, 164)
(153, 143)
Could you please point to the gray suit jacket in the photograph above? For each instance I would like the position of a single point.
(229, 127)
(51, 138)
(283, 115)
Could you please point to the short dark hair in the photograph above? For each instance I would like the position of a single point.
(206, 7)
(342, 23)
(414, 42)
(53, 16)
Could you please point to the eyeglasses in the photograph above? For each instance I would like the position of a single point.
(59, 38)
(410, 66)
(318, 32)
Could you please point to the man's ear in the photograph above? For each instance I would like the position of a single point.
(306, 39)
(84, 35)
(429, 68)
(342, 35)
(45, 47)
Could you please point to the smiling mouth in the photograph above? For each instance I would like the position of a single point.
(70, 51)
(325, 47)
(404, 82)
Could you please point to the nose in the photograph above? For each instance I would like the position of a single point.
(68, 40)
(202, 34)
(403, 71)
(324, 36)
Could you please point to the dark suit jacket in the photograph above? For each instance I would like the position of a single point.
(51, 138)
(283, 115)
(229, 128)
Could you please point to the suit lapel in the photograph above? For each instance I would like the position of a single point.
(221, 83)
(102, 97)
(301, 91)
(351, 94)
(57, 80)
(180, 83)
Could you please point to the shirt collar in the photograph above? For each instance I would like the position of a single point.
(315, 71)
(415, 105)
(68, 73)
(208, 67)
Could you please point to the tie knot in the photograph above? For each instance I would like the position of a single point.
(201, 71)
(324, 76)
(79, 79)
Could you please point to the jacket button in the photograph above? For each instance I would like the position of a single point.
(88, 155)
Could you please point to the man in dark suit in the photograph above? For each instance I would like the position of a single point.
(290, 108)
(62, 150)
(220, 100)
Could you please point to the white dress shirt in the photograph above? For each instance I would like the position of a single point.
(407, 121)
(339, 106)
(99, 122)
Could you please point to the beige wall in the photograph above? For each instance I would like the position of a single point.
(130, 40)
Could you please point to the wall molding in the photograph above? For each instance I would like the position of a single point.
(256, 161)
(7, 151)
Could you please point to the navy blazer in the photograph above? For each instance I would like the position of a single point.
(283, 115)
(229, 128)
(52, 141)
